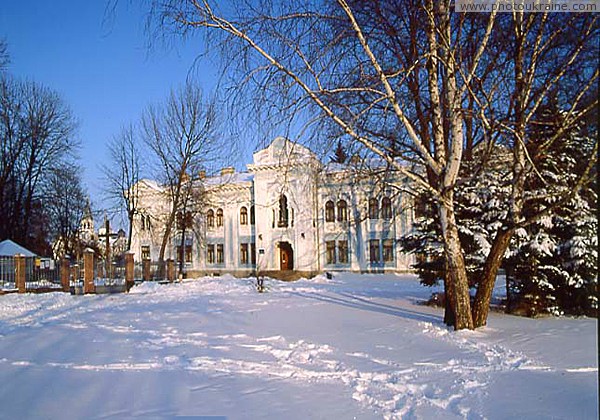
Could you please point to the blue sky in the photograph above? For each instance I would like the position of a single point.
(101, 67)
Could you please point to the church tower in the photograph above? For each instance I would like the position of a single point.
(86, 228)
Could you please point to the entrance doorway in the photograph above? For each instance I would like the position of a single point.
(286, 256)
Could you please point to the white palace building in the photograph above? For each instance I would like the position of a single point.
(288, 211)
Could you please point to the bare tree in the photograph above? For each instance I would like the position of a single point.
(182, 135)
(37, 135)
(4, 57)
(65, 204)
(122, 174)
(405, 81)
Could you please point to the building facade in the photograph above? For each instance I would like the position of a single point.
(288, 211)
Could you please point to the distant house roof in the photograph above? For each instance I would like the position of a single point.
(10, 248)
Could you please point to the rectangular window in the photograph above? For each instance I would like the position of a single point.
(330, 252)
(388, 250)
(343, 252)
(145, 252)
(210, 254)
(243, 254)
(188, 254)
(253, 253)
(187, 251)
(220, 254)
(374, 250)
(373, 208)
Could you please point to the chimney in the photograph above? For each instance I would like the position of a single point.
(202, 174)
(230, 170)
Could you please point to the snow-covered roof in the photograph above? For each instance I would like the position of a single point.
(150, 183)
(9, 248)
(335, 167)
(282, 151)
(234, 178)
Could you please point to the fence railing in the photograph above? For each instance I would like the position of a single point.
(39, 273)
(88, 275)
(150, 271)
(42, 273)
(7, 272)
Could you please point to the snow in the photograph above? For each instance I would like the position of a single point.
(355, 346)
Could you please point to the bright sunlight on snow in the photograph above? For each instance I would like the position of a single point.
(355, 346)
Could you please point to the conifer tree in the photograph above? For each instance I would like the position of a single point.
(339, 154)
(553, 262)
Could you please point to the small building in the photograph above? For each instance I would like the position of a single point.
(8, 250)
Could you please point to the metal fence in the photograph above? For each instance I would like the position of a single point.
(42, 273)
(7, 272)
(154, 272)
(108, 273)
(39, 273)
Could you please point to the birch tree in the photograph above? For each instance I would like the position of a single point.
(410, 82)
(549, 57)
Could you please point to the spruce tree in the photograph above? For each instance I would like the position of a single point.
(339, 154)
(554, 261)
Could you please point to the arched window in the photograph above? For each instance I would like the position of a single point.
(283, 212)
(219, 217)
(210, 218)
(373, 208)
(342, 209)
(243, 216)
(329, 211)
(386, 208)
(252, 216)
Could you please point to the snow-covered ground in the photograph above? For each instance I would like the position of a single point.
(356, 346)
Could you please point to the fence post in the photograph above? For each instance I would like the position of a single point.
(171, 270)
(88, 271)
(65, 273)
(129, 270)
(146, 269)
(20, 272)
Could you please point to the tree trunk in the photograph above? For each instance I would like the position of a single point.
(455, 263)
(508, 305)
(163, 246)
(449, 300)
(131, 217)
(182, 246)
(481, 306)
